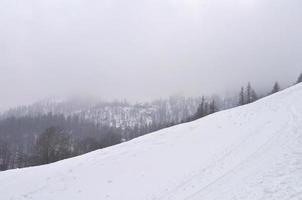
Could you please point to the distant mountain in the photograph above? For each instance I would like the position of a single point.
(116, 114)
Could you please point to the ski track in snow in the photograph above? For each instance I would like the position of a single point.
(253, 152)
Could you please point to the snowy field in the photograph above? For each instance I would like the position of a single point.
(252, 152)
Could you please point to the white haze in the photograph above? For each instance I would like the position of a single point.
(145, 49)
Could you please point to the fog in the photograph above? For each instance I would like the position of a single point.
(145, 49)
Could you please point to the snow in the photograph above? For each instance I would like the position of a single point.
(250, 152)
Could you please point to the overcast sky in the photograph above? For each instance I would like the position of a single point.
(145, 49)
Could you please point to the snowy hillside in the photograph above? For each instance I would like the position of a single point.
(251, 152)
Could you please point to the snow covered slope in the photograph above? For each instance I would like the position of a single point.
(251, 152)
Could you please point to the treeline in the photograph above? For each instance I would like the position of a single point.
(120, 114)
(246, 95)
(22, 139)
(35, 140)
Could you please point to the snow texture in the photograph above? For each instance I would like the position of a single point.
(251, 152)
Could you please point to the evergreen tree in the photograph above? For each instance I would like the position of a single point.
(254, 96)
(212, 107)
(251, 95)
(299, 79)
(206, 109)
(201, 109)
(241, 97)
(276, 88)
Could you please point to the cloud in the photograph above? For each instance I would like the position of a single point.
(143, 49)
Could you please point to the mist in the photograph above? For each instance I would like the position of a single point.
(145, 49)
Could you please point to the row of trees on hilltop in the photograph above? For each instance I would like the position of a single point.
(246, 95)
(205, 108)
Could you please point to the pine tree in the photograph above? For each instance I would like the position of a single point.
(213, 107)
(251, 95)
(206, 109)
(201, 109)
(241, 97)
(299, 79)
(276, 88)
(254, 96)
